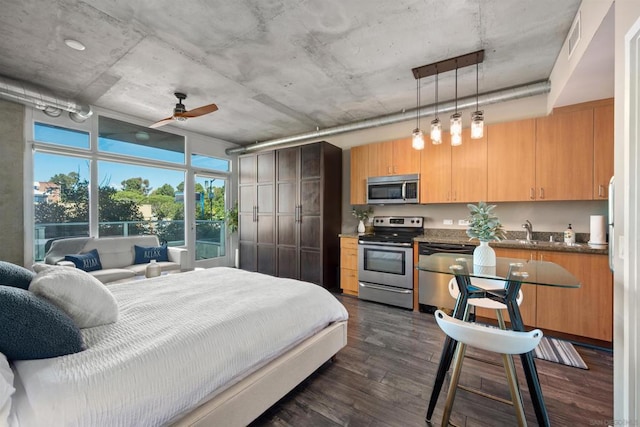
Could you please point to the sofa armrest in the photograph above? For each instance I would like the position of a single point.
(178, 255)
(65, 264)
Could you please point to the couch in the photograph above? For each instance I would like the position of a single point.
(117, 255)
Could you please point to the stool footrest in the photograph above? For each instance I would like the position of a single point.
(485, 394)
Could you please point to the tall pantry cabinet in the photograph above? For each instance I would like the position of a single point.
(306, 219)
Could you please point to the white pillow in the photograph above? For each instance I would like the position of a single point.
(83, 297)
(6, 390)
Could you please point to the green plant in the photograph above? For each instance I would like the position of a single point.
(362, 214)
(484, 225)
(231, 217)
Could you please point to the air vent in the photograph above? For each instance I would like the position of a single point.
(574, 35)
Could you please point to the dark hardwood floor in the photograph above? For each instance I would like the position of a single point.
(383, 377)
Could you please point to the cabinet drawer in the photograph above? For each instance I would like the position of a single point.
(349, 281)
(349, 259)
(349, 243)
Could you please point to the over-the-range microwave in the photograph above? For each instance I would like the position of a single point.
(383, 190)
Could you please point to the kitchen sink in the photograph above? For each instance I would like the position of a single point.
(525, 242)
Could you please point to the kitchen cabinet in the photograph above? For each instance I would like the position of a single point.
(511, 161)
(359, 174)
(602, 149)
(395, 157)
(564, 155)
(586, 311)
(308, 213)
(454, 174)
(349, 265)
(256, 212)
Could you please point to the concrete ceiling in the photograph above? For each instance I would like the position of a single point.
(275, 68)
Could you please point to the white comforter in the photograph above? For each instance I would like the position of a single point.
(179, 338)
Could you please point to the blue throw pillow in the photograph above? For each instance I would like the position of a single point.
(32, 328)
(15, 275)
(145, 254)
(89, 261)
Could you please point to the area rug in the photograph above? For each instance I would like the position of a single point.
(559, 351)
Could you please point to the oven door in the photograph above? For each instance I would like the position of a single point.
(385, 264)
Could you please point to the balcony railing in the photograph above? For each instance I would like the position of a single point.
(210, 234)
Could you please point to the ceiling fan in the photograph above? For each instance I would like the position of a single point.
(181, 114)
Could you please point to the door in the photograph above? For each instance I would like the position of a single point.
(287, 166)
(211, 237)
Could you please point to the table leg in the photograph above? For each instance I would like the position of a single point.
(528, 362)
(449, 347)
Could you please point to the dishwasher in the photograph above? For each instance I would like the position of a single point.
(433, 289)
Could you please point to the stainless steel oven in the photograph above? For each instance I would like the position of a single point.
(385, 261)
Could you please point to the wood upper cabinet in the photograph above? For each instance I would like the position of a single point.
(454, 174)
(564, 155)
(359, 174)
(511, 161)
(395, 157)
(602, 150)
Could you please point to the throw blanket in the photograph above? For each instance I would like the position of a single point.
(179, 338)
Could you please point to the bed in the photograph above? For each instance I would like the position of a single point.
(211, 347)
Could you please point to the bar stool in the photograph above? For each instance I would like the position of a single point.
(489, 339)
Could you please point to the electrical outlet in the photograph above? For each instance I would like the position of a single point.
(463, 222)
(447, 221)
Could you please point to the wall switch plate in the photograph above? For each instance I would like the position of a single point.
(463, 222)
(447, 221)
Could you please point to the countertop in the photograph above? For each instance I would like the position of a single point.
(515, 240)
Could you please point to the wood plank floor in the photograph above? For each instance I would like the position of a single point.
(384, 376)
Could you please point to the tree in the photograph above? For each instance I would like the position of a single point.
(164, 190)
(136, 185)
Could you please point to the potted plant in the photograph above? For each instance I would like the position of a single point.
(485, 226)
(362, 215)
(231, 218)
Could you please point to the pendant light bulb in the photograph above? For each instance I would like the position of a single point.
(436, 131)
(417, 141)
(456, 139)
(477, 118)
(455, 126)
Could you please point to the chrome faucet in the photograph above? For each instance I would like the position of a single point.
(529, 227)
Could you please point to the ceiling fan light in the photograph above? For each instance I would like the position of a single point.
(477, 125)
(417, 141)
(179, 118)
(436, 131)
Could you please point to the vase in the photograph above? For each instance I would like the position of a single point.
(153, 269)
(361, 227)
(484, 255)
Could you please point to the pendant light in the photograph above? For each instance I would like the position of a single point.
(436, 126)
(417, 141)
(456, 120)
(477, 118)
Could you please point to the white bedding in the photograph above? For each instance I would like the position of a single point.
(179, 338)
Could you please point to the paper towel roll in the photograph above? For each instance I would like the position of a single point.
(598, 234)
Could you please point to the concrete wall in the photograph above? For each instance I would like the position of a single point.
(11, 179)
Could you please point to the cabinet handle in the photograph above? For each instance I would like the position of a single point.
(600, 190)
(532, 193)
(455, 196)
(395, 169)
(541, 193)
(448, 196)
(389, 170)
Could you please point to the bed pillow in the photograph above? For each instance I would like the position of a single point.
(144, 254)
(89, 261)
(80, 295)
(15, 275)
(6, 389)
(33, 328)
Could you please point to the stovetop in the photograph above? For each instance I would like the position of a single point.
(394, 229)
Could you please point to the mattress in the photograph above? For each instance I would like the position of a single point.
(180, 339)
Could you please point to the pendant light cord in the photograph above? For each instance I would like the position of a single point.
(436, 92)
(456, 88)
(417, 103)
(476, 86)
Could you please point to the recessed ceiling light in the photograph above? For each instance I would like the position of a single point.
(74, 44)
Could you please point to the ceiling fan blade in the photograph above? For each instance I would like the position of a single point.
(200, 111)
(162, 122)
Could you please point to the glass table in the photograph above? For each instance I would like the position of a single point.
(514, 272)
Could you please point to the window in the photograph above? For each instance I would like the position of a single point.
(61, 199)
(60, 136)
(206, 162)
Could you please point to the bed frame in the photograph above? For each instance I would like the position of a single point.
(245, 401)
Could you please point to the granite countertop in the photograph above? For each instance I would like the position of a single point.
(515, 240)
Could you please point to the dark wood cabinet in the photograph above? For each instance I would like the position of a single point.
(306, 215)
(256, 212)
